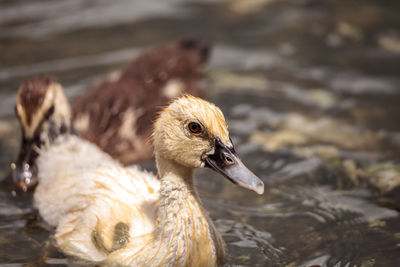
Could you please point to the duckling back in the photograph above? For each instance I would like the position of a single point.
(59, 165)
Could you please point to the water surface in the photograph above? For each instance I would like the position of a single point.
(311, 93)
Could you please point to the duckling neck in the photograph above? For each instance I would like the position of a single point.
(181, 220)
(175, 174)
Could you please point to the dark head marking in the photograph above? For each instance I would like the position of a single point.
(32, 93)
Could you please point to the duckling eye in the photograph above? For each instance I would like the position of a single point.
(49, 112)
(194, 127)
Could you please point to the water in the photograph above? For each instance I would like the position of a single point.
(310, 90)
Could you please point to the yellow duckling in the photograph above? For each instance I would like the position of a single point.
(111, 215)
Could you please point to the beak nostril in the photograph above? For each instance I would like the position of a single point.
(229, 160)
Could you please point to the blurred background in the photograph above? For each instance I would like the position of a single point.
(311, 92)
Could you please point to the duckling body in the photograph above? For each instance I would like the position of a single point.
(89, 197)
(85, 194)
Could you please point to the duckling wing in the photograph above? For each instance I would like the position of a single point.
(94, 206)
(115, 200)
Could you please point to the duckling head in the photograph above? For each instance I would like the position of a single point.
(193, 133)
(43, 112)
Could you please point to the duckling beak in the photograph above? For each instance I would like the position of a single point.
(24, 171)
(226, 162)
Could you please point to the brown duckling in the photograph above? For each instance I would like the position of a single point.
(117, 114)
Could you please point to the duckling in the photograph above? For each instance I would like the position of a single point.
(111, 215)
(44, 113)
(117, 114)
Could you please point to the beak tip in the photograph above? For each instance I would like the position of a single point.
(259, 189)
(23, 180)
(23, 186)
